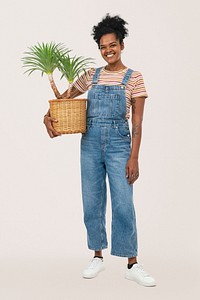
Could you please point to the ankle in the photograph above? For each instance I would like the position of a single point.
(98, 253)
(132, 260)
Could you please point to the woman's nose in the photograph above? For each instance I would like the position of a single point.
(108, 50)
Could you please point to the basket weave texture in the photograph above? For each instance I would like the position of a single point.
(70, 113)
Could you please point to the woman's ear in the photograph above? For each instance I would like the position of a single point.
(122, 46)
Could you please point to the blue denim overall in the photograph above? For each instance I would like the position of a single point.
(105, 149)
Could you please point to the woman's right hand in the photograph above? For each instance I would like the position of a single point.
(48, 123)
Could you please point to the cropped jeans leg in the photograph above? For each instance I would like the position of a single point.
(124, 231)
(94, 193)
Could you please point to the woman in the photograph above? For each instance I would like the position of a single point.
(106, 149)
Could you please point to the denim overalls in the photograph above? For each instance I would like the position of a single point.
(105, 149)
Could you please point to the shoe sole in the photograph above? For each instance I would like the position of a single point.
(139, 282)
(90, 277)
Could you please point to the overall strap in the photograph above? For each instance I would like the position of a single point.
(96, 75)
(127, 76)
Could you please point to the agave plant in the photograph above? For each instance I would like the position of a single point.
(47, 57)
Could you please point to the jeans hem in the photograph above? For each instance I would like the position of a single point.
(98, 249)
(123, 255)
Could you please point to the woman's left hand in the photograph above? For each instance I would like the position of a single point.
(132, 170)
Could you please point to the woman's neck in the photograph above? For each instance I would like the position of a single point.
(115, 67)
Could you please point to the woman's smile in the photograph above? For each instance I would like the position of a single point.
(110, 55)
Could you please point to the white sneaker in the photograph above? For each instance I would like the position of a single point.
(138, 274)
(95, 266)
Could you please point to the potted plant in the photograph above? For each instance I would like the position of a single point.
(46, 57)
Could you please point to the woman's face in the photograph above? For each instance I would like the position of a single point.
(110, 48)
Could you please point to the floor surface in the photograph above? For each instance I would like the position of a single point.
(60, 279)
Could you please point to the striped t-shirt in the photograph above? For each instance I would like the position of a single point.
(134, 88)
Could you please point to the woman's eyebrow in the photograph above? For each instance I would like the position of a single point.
(109, 44)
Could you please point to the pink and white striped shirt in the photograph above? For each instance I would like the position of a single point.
(134, 88)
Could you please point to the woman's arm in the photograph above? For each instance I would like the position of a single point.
(74, 93)
(132, 168)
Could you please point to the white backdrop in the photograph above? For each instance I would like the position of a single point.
(41, 218)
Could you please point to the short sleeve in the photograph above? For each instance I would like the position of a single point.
(82, 83)
(139, 88)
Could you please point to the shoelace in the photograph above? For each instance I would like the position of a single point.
(93, 263)
(139, 268)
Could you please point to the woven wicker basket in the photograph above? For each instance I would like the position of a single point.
(70, 113)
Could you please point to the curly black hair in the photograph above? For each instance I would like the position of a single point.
(110, 25)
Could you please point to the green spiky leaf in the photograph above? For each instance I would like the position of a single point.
(71, 67)
(43, 57)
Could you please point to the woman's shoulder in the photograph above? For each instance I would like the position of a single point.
(136, 75)
(87, 74)
(92, 69)
(136, 72)
(90, 72)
